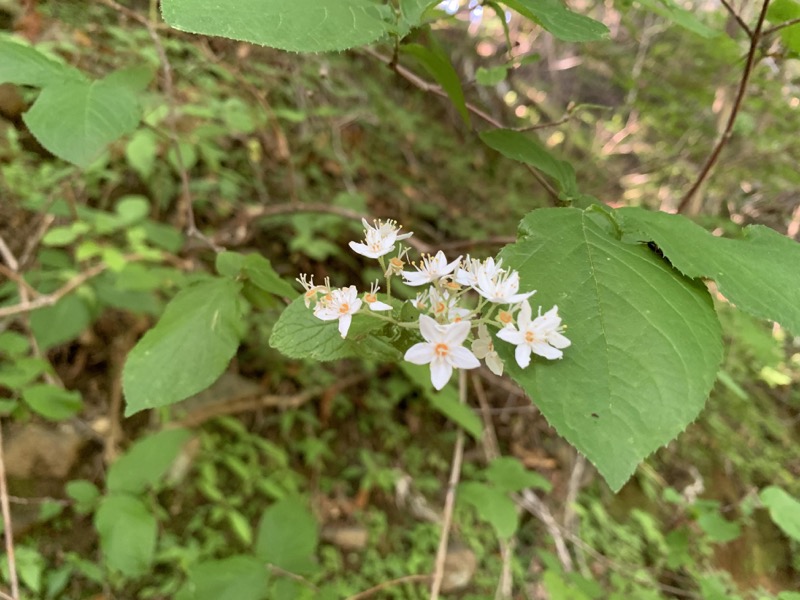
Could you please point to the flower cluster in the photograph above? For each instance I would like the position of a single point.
(447, 317)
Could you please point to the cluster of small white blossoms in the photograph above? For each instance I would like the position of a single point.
(445, 321)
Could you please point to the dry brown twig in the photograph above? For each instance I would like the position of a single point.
(387, 584)
(7, 526)
(755, 39)
(432, 88)
(185, 204)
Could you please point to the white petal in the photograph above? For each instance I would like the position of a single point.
(325, 313)
(480, 347)
(546, 350)
(415, 278)
(355, 304)
(456, 333)
(429, 329)
(554, 338)
(363, 250)
(519, 297)
(495, 363)
(440, 373)
(462, 358)
(378, 305)
(344, 324)
(420, 354)
(511, 335)
(523, 355)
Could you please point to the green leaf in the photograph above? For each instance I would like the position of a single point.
(680, 16)
(242, 577)
(188, 349)
(76, 120)
(526, 149)
(784, 510)
(445, 400)
(438, 65)
(52, 402)
(492, 505)
(141, 152)
(229, 264)
(132, 209)
(62, 322)
(509, 475)
(22, 371)
(13, 343)
(491, 76)
(759, 272)
(127, 532)
(147, 461)
(718, 528)
(66, 235)
(558, 20)
(24, 65)
(299, 25)
(84, 493)
(299, 334)
(413, 11)
(646, 343)
(287, 536)
(260, 271)
(781, 11)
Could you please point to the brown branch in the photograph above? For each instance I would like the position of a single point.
(777, 28)
(450, 497)
(726, 135)
(185, 202)
(738, 19)
(432, 88)
(7, 529)
(17, 278)
(391, 583)
(51, 299)
(250, 403)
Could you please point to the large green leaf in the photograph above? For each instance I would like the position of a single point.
(559, 20)
(146, 462)
(128, 533)
(646, 342)
(287, 536)
(52, 402)
(759, 272)
(24, 65)
(242, 577)
(781, 11)
(493, 505)
(299, 334)
(75, 120)
(188, 349)
(299, 25)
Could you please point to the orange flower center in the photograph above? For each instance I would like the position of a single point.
(441, 350)
(344, 309)
(505, 317)
(370, 298)
(529, 337)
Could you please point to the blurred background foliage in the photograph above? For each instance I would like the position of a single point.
(282, 151)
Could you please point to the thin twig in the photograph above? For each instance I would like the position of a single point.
(777, 28)
(7, 529)
(185, 204)
(51, 299)
(391, 583)
(450, 498)
(294, 576)
(432, 88)
(726, 134)
(528, 500)
(7, 255)
(739, 19)
(17, 278)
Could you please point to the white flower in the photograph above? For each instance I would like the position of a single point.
(379, 239)
(311, 289)
(371, 298)
(444, 306)
(339, 304)
(483, 348)
(396, 264)
(432, 269)
(473, 268)
(500, 288)
(442, 349)
(541, 336)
